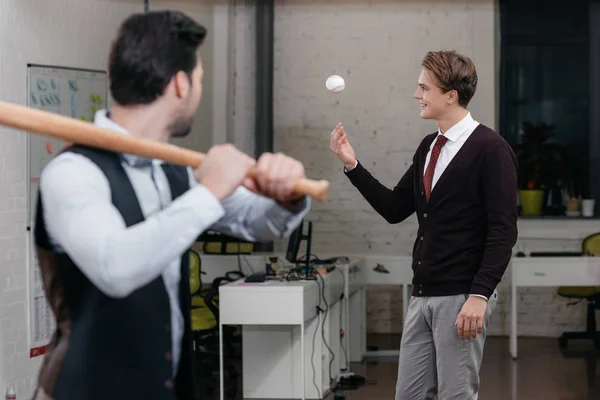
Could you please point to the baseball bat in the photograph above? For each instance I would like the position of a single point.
(85, 133)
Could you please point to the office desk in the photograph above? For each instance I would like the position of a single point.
(281, 325)
(549, 271)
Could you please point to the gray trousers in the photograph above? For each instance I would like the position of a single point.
(436, 363)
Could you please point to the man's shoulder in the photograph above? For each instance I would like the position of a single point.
(68, 159)
(488, 137)
(492, 145)
(70, 168)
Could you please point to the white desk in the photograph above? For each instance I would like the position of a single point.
(401, 274)
(281, 325)
(549, 271)
(354, 318)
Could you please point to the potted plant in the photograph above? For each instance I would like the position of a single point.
(575, 177)
(540, 166)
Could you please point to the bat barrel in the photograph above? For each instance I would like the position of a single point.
(81, 132)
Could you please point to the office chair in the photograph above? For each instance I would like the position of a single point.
(205, 331)
(590, 246)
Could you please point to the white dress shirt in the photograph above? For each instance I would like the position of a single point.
(82, 221)
(457, 135)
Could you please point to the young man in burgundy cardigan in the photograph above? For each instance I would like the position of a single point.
(462, 185)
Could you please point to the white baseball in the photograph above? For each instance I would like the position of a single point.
(335, 84)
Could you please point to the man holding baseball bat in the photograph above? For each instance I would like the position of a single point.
(462, 185)
(113, 230)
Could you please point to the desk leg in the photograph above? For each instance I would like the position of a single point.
(302, 357)
(513, 317)
(347, 339)
(221, 382)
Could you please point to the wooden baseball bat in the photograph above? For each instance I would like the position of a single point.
(85, 133)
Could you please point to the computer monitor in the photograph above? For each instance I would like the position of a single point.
(293, 249)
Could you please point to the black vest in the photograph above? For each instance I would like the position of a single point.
(106, 348)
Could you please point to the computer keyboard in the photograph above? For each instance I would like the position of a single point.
(256, 278)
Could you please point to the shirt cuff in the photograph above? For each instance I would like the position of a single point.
(481, 290)
(479, 295)
(348, 170)
(280, 217)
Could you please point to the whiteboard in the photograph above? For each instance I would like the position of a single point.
(75, 93)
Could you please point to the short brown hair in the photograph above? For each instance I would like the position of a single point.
(453, 71)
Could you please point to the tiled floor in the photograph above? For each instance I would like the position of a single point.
(541, 372)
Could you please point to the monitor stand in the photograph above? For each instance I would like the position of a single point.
(307, 270)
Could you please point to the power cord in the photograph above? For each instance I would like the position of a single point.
(344, 348)
(312, 355)
(351, 382)
(326, 311)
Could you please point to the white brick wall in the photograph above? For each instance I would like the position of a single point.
(200, 138)
(378, 46)
(74, 33)
(243, 81)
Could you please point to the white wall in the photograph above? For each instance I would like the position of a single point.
(60, 32)
(377, 46)
(201, 136)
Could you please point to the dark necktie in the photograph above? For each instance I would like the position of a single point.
(435, 154)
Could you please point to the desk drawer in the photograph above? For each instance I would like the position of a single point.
(546, 272)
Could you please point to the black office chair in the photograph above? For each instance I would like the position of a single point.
(590, 246)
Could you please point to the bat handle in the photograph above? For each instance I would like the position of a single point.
(319, 190)
(316, 189)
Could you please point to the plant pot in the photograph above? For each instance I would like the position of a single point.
(573, 205)
(531, 202)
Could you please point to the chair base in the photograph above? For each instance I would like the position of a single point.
(566, 336)
(207, 379)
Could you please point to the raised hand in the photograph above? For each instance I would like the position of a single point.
(340, 146)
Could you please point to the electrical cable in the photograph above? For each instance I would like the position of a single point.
(312, 355)
(322, 287)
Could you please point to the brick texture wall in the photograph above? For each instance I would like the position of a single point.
(73, 33)
(242, 83)
(377, 46)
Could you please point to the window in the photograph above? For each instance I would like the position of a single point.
(547, 102)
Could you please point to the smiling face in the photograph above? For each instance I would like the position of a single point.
(434, 103)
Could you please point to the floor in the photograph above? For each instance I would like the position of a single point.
(541, 372)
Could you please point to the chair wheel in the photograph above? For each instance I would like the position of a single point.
(562, 342)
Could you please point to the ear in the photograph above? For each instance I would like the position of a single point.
(182, 84)
(452, 97)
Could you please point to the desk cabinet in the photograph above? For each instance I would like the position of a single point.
(287, 344)
(548, 271)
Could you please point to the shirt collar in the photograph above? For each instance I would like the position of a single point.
(102, 119)
(458, 129)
